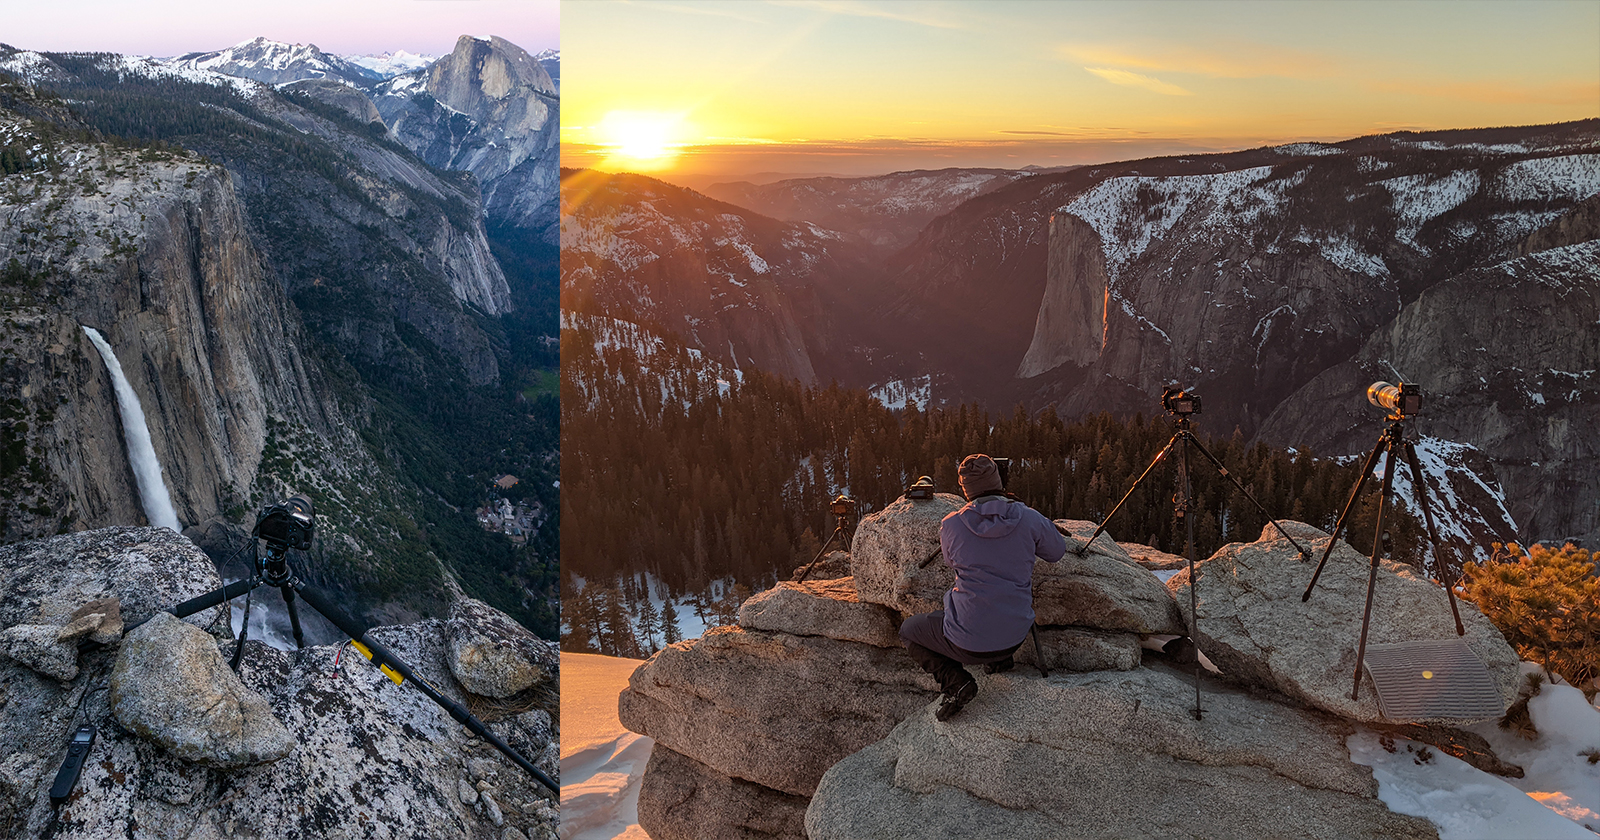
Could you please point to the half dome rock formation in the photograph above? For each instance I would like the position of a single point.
(808, 719)
(309, 743)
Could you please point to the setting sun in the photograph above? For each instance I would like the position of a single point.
(641, 140)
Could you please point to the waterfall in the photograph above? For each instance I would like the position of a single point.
(141, 454)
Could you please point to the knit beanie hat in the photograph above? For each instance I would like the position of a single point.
(979, 474)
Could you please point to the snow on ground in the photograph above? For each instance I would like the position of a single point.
(392, 64)
(1558, 797)
(894, 393)
(601, 762)
(1568, 177)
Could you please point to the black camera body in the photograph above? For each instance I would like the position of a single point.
(290, 523)
(921, 489)
(842, 506)
(1180, 402)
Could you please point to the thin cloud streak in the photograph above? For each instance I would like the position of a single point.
(704, 11)
(1239, 61)
(848, 9)
(1131, 79)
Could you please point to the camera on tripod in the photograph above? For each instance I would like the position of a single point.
(1180, 402)
(1404, 399)
(842, 506)
(290, 523)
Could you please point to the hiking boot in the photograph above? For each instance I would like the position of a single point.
(953, 703)
(1003, 665)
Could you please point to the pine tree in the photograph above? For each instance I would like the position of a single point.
(670, 632)
(649, 625)
(1546, 602)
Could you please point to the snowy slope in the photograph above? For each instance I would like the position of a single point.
(390, 64)
(601, 762)
(1559, 797)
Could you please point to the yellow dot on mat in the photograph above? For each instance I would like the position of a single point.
(1427, 675)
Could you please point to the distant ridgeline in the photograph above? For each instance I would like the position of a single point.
(675, 465)
(394, 339)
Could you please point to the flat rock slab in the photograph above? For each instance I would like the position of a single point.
(821, 608)
(1253, 625)
(170, 686)
(39, 646)
(772, 708)
(1106, 755)
(1082, 649)
(682, 799)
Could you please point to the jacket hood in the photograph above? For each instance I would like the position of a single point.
(991, 518)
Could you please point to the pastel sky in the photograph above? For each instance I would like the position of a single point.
(342, 27)
(705, 90)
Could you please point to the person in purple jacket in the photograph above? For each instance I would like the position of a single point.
(991, 543)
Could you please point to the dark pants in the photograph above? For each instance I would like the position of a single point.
(924, 637)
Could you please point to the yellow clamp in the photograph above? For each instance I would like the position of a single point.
(387, 671)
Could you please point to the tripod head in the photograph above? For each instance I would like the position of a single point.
(282, 525)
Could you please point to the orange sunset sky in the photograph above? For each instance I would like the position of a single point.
(695, 92)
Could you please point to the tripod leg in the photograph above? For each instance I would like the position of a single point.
(400, 672)
(1136, 482)
(294, 616)
(1349, 505)
(831, 537)
(1240, 487)
(1389, 467)
(1445, 577)
(1185, 496)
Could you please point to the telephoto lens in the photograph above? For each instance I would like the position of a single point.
(1404, 399)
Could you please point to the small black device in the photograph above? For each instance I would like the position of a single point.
(1402, 400)
(1004, 464)
(1180, 402)
(77, 754)
(290, 523)
(842, 506)
(921, 489)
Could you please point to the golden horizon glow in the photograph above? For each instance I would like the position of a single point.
(813, 87)
(640, 141)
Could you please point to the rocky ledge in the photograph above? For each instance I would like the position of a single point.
(808, 719)
(310, 743)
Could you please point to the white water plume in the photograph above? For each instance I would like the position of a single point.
(141, 454)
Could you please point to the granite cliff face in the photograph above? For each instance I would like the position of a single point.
(488, 108)
(158, 258)
(1509, 355)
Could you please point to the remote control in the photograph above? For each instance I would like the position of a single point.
(77, 754)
